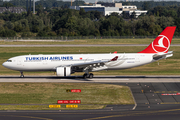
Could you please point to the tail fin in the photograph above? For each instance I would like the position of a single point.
(162, 43)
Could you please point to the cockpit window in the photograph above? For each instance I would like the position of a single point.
(9, 61)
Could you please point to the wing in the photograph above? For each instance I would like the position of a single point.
(99, 62)
(162, 56)
(97, 65)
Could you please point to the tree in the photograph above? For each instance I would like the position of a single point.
(146, 6)
(60, 23)
(71, 24)
(7, 4)
(97, 15)
(115, 14)
(165, 21)
(82, 12)
(47, 29)
(2, 23)
(35, 29)
(26, 34)
(39, 9)
(178, 12)
(9, 25)
(41, 33)
(133, 15)
(18, 28)
(134, 26)
(125, 14)
(7, 33)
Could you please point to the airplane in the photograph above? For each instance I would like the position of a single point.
(67, 64)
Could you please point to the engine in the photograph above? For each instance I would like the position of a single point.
(63, 71)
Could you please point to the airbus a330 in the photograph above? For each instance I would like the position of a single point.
(67, 64)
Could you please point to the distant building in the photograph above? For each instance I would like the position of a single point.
(108, 8)
(129, 8)
(12, 9)
(132, 9)
(98, 7)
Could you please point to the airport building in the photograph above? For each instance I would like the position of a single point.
(106, 10)
(12, 9)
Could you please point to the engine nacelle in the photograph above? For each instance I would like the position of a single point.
(63, 71)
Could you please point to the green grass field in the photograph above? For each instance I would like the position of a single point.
(92, 96)
(170, 66)
(89, 41)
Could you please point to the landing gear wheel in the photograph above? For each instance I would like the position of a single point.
(85, 76)
(91, 75)
(22, 75)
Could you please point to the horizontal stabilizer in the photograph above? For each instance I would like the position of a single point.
(162, 56)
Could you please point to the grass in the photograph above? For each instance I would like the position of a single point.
(169, 66)
(89, 41)
(46, 107)
(92, 96)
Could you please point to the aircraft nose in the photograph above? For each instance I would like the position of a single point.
(4, 64)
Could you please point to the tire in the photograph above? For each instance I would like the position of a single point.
(91, 75)
(85, 76)
(22, 76)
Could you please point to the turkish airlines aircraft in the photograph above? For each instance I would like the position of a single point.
(67, 64)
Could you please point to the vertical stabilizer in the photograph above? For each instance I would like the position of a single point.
(162, 43)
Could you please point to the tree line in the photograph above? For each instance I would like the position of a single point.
(66, 22)
(146, 5)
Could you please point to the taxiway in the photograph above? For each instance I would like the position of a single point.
(154, 95)
(96, 79)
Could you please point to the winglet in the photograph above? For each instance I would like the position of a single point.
(114, 59)
(115, 52)
(162, 43)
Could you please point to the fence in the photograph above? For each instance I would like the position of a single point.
(64, 38)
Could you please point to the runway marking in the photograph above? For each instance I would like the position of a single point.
(170, 103)
(132, 114)
(94, 79)
(134, 100)
(27, 117)
(135, 113)
(114, 79)
(166, 91)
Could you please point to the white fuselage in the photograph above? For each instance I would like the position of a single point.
(51, 62)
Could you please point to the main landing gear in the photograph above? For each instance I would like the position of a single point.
(86, 75)
(22, 75)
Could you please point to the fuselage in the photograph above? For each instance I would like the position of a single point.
(51, 62)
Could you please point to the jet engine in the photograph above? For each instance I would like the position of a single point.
(63, 71)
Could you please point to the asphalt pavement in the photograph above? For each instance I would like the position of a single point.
(154, 100)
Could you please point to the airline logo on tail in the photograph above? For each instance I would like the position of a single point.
(162, 43)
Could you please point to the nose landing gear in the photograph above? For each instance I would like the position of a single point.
(22, 75)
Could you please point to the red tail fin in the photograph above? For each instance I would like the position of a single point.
(162, 43)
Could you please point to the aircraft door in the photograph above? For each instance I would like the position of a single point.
(19, 61)
(137, 58)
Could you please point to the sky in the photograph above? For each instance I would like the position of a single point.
(123, 0)
(114, 0)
